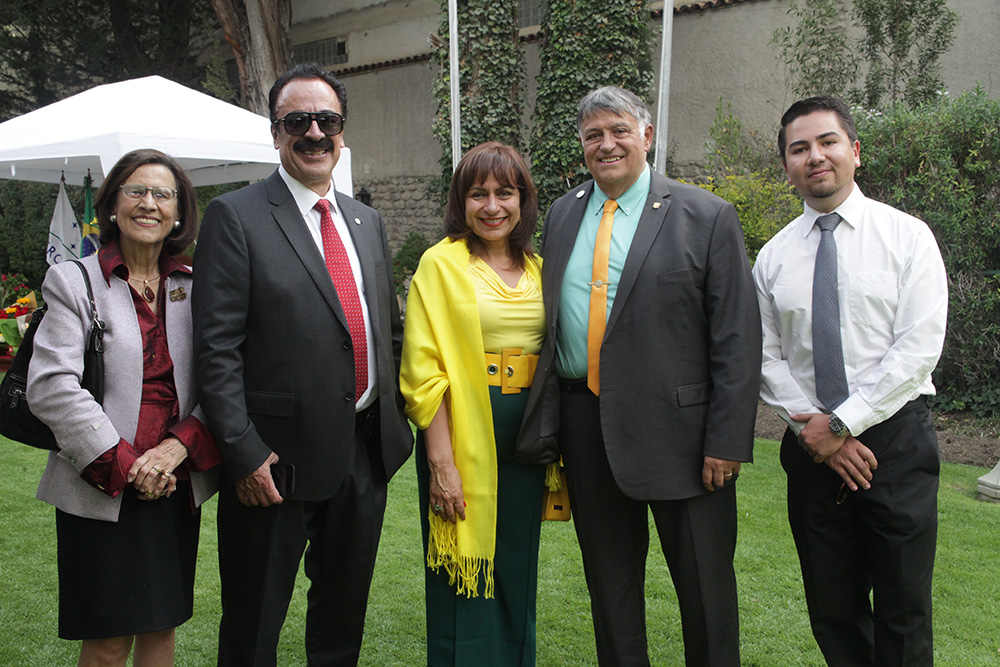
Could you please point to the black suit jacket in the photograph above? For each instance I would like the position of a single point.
(680, 361)
(275, 368)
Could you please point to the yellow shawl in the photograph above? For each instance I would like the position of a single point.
(443, 359)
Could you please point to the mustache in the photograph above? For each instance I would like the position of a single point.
(310, 145)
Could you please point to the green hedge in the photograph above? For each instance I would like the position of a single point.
(939, 163)
(763, 204)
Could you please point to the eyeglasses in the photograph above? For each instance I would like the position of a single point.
(298, 122)
(161, 193)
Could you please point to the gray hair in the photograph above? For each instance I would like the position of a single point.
(616, 100)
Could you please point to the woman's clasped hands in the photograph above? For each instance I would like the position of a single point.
(152, 473)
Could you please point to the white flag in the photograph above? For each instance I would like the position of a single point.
(64, 231)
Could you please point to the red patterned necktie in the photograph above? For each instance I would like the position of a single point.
(347, 290)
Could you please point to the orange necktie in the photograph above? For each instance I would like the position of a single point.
(599, 297)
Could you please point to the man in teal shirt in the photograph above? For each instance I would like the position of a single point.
(647, 383)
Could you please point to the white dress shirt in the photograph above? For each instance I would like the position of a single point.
(893, 309)
(306, 200)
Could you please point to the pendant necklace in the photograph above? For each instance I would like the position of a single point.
(147, 292)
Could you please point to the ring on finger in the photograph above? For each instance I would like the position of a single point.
(438, 508)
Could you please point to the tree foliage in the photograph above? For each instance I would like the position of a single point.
(491, 80)
(25, 214)
(734, 148)
(587, 44)
(50, 49)
(903, 42)
(817, 49)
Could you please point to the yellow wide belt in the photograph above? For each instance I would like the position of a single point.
(510, 370)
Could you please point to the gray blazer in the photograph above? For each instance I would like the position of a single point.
(680, 361)
(84, 429)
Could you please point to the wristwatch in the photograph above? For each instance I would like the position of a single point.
(838, 427)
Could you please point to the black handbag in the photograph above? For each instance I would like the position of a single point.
(16, 419)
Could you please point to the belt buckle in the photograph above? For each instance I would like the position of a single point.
(507, 370)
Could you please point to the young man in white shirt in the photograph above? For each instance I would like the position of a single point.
(847, 362)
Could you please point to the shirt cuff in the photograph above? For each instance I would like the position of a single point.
(856, 414)
(109, 471)
(197, 439)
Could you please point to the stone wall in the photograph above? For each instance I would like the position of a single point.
(405, 205)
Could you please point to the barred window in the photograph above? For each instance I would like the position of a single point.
(529, 13)
(332, 51)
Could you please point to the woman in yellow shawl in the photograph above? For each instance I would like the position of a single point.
(474, 325)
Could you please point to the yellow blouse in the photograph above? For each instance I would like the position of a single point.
(510, 317)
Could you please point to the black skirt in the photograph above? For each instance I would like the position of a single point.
(132, 576)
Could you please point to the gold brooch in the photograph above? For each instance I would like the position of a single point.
(178, 294)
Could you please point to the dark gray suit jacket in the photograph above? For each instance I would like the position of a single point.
(275, 368)
(680, 362)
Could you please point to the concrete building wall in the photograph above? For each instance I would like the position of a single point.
(394, 152)
(723, 52)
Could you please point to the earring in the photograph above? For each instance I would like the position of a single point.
(114, 218)
(177, 224)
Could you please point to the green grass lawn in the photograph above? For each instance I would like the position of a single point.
(775, 631)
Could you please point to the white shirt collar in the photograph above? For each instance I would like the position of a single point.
(851, 211)
(305, 198)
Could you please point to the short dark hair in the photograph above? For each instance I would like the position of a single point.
(618, 101)
(306, 71)
(812, 105)
(506, 165)
(187, 202)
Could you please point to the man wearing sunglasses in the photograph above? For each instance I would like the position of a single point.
(298, 341)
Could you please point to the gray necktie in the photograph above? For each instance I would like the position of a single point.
(828, 353)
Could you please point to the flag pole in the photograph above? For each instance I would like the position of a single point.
(663, 95)
(456, 100)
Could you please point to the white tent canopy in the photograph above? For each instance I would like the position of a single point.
(214, 141)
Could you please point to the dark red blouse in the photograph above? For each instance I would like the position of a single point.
(158, 411)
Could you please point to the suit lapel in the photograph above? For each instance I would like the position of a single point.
(652, 220)
(558, 242)
(287, 215)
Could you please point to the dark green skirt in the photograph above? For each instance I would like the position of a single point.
(499, 631)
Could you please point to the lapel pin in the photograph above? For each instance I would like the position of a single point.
(580, 194)
(178, 294)
(656, 205)
(357, 221)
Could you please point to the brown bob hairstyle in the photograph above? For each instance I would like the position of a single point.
(506, 165)
(187, 203)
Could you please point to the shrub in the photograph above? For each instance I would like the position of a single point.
(734, 148)
(938, 162)
(406, 259)
(763, 204)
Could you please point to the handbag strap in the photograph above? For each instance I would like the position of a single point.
(96, 324)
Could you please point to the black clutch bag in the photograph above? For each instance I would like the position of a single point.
(17, 422)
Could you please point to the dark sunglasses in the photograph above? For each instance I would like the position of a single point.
(298, 122)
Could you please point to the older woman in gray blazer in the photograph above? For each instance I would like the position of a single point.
(131, 473)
